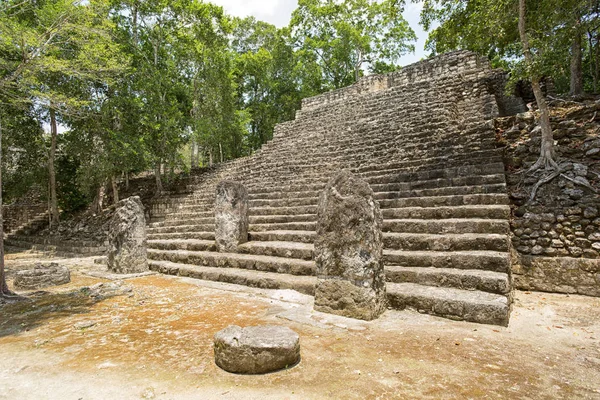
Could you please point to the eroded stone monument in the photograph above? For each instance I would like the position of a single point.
(127, 252)
(231, 216)
(348, 250)
(256, 349)
(41, 276)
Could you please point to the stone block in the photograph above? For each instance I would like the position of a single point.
(41, 276)
(231, 216)
(256, 349)
(127, 253)
(348, 250)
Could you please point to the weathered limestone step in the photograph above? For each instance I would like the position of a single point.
(404, 168)
(447, 242)
(466, 279)
(286, 202)
(379, 143)
(465, 259)
(473, 306)
(439, 183)
(443, 191)
(284, 236)
(271, 219)
(182, 244)
(258, 279)
(444, 212)
(442, 226)
(277, 193)
(302, 251)
(182, 235)
(287, 226)
(183, 228)
(187, 221)
(235, 260)
(451, 200)
(435, 171)
(283, 210)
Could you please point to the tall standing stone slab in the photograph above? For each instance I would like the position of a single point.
(348, 250)
(231, 216)
(127, 238)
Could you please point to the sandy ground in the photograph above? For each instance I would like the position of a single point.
(154, 341)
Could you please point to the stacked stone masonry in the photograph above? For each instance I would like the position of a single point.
(424, 141)
(557, 235)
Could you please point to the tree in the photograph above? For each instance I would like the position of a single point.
(55, 45)
(339, 37)
(268, 80)
(545, 38)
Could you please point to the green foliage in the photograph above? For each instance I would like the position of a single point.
(491, 29)
(336, 38)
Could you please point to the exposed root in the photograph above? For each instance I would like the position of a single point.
(545, 162)
(545, 179)
(585, 185)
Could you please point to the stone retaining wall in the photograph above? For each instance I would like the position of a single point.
(557, 235)
(16, 215)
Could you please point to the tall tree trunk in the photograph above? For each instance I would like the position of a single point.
(597, 62)
(51, 172)
(590, 36)
(221, 151)
(192, 153)
(3, 285)
(115, 189)
(546, 158)
(126, 180)
(159, 187)
(576, 86)
(210, 157)
(98, 199)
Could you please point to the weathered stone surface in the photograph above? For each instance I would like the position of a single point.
(127, 238)
(256, 349)
(560, 274)
(348, 250)
(231, 216)
(41, 276)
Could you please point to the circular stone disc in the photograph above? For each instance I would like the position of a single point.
(256, 349)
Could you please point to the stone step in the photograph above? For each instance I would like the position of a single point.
(182, 244)
(433, 171)
(183, 221)
(466, 279)
(258, 279)
(443, 226)
(302, 251)
(183, 228)
(384, 148)
(445, 212)
(182, 235)
(295, 210)
(447, 242)
(287, 226)
(284, 236)
(396, 186)
(464, 259)
(443, 191)
(448, 200)
(468, 305)
(235, 260)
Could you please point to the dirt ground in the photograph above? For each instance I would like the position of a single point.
(150, 337)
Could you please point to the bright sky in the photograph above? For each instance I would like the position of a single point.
(278, 13)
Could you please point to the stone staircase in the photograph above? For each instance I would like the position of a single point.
(423, 139)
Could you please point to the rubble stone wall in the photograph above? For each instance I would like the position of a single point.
(557, 235)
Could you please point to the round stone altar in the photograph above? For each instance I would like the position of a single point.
(256, 349)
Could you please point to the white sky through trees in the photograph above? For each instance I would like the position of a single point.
(278, 13)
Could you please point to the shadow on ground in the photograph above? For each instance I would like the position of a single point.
(38, 307)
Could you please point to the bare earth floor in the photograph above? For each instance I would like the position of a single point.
(154, 341)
